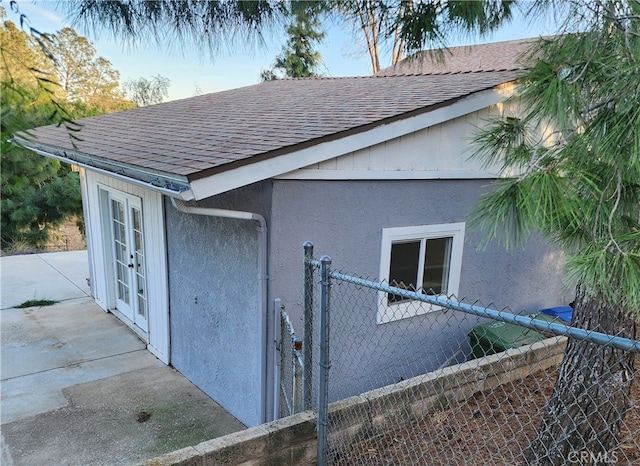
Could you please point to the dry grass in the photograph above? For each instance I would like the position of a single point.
(67, 237)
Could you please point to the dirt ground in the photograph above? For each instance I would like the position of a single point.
(491, 428)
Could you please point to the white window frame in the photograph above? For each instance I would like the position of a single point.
(389, 312)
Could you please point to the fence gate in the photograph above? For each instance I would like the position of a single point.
(290, 367)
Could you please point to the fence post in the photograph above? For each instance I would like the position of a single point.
(277, 355)
(307, 347)
(325, 364)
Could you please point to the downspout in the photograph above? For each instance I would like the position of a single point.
(262, 257)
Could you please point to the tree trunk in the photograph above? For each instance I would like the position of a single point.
(583, 417)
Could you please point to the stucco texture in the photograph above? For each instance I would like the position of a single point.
(216, 339)
(344, 219)
(216, 330)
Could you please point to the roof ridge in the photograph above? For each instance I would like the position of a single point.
(317, 78)
(444, 73)
(378, 76)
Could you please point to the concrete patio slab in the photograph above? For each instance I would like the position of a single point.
(55, 275)
(79, 386)
(27, 396)
(41, 338)
(119, 420)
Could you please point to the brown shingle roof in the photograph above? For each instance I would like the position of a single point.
(494, 56)
(203, 135)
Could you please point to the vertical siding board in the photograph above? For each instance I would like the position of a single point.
(415, 150)
(444, 147)
(360, 160)
(474, 120)
(453, 143)
(345, 162)
(441, 147)
(394, 158)
(330, 164)
(157, 271)
(87, 225)
(377, 156)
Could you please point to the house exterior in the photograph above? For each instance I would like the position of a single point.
(196, 210)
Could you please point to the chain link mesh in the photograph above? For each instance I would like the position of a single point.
(438, 386)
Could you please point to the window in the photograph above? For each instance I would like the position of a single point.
(426, 258)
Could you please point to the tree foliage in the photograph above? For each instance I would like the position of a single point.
(37, 193)
(379, 23)
(25, 62)
(40, 193)
(207, 24)
(298, 58)
(575, 150)
(403, 27)
(399, 25)
(22, 59)
(143, 91)
(84, 77)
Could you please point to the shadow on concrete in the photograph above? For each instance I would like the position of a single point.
(79, 387)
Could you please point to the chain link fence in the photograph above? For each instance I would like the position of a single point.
(450, 382)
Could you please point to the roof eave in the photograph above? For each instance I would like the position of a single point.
(269, 165)
(166, 183)
(502, 89)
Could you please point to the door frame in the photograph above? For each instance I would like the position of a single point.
(129, 310)
(98, 189)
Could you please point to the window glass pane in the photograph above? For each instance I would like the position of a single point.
(403, 272)
(136, 219)
(436, 265)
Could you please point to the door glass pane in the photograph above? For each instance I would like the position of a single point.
(141, 283)
(403, 272)
(436, 265)
(120, 249)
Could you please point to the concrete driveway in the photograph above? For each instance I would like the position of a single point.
(78, 386)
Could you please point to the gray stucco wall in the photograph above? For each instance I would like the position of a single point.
(215, 308)
(344, 219)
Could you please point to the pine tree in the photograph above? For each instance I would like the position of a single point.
(577, 154)
(299, 59)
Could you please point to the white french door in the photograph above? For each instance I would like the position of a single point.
(129, 268)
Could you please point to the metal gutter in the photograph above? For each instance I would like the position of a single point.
(171, 185)
(262, 276)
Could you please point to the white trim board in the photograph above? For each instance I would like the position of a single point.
(286, 163)
(315, 174)
(407, 309)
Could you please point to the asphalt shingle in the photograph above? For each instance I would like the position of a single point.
(202, 135)
(494, 56)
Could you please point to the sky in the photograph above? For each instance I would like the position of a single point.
(193, 72)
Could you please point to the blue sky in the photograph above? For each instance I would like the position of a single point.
(190, 70)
